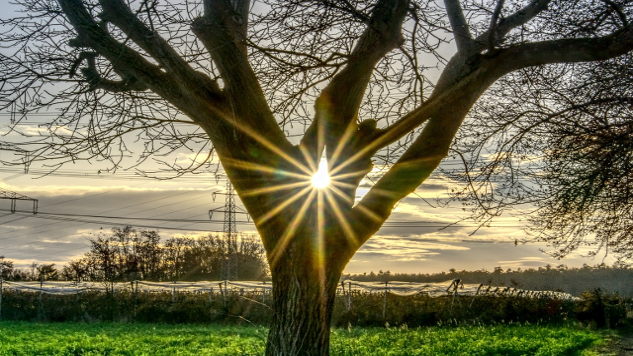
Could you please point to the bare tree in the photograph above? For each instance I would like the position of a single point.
(559, 147)
(77, 270)
(245, 75)
(102, 261)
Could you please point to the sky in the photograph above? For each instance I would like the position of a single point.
(80, 201)
(75, 205)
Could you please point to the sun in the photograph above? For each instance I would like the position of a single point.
(321, 178)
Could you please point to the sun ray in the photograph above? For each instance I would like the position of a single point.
(336, 209)
(338, 192)
(350, 160)
(349, 174)
(321, 246)
(259, 138)
(283, 205)
(367, 149)
(266, 143)
(346, 138)
(337, 184)
(261, 168)
(312, 163)
(283, 242)
(275, 188)
(369, 213)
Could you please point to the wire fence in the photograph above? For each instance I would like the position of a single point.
(357, 303)
(346, 287)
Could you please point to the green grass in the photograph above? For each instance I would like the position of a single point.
(22, 338)
(488, 340)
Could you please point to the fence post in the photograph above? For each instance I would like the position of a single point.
(39, 309)
(384, 302)
(226, 292)
(223, 291)
(344, 299)
(349, 295)
(135, 291)
(1, 283)
(1, 286)
(475, 296)
(456, 283)
(173, 293)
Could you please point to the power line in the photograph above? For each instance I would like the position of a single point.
(78, 217)
(65, 227)
(101, 222)
(109, 176)
(83, 221)
(127, 217)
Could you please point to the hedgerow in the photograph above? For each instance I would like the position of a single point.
(357, 309)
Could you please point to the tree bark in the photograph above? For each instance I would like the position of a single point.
(302, 311)
(305, 269)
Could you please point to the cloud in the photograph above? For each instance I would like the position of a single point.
(28, 130)
(524, 262)
(398, 248)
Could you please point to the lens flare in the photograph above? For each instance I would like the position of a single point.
(321, 178)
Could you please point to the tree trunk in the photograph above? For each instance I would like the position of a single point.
(303, 300)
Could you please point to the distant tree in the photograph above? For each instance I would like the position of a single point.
(150, 253)
(251, 259)
(6, 269)
(77, 270)
(201, 258)
(128, 254)
(124, 255)
(102, 261)
(174, 259)
(47, 272)
(243, 74)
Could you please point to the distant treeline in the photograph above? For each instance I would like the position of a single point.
(128, 254)
(614, 280)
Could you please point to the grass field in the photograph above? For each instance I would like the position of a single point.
(23, 338)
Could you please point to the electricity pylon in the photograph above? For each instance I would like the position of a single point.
(230, 209)
(14, 197)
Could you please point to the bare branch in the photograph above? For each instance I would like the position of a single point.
(126, 60)
(96, 81)
(222, 31)
(568, 50)
(617, 9)
(425, 154)
(461, 32)
(493, 25)
(340, 100)
(513, 21)
(120, 15)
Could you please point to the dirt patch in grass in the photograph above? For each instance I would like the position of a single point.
(619, 343)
